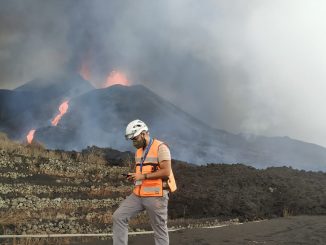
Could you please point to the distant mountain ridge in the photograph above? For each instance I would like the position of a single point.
(99, 117)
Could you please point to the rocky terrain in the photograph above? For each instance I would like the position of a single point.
(46, 191)
(58, 192)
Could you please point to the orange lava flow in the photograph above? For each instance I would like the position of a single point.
(30, 136)
(85, 71)
(63, 108)
(116, 77)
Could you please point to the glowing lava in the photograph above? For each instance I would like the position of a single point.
(30, 136)
(63, 108)
(85, 71)
(116, 77)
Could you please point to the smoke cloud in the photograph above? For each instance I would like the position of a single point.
(242, 66)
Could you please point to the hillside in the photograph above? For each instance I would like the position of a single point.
(99, 117)
(35, 103)
(68, 192)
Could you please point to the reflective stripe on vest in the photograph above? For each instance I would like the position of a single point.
(151, 189)
(148, 159)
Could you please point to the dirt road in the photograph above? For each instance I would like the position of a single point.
(290, 230)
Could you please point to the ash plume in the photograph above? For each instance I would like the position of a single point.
(253, 67)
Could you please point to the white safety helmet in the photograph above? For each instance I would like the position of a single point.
(134, 129)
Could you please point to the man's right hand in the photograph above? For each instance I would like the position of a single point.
(129, 176)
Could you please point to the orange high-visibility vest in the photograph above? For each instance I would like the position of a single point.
(152, 187)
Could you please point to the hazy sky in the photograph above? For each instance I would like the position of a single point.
(243, 66)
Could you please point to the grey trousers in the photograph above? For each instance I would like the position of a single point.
(157, 209)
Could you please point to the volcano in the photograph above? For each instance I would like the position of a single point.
(35, 103)
(99, 117)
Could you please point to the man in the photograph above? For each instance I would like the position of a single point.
(153, 180)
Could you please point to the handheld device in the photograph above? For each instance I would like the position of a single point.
(126, 175)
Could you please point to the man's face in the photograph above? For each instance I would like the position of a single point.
(139, 141)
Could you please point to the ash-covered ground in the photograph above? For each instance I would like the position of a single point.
(44, 191)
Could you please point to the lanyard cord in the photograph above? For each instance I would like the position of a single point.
(142, 160)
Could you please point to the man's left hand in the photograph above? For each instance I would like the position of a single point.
(137, 176)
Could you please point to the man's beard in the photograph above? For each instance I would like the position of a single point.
(139, 143)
